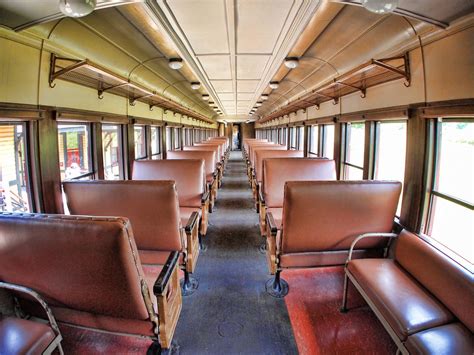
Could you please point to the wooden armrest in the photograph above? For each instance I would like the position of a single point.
(205, 197)
(368, 235)
(271, 224)
(260, 195)
(165, 274)
(192, 222)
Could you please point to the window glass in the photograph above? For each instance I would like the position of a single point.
(112, 152)
(155, 142)
(177, 136)
(451, 209)
(354, 153)
(168, 138)
(328, 141)
(293, 138)
(301, 138)
(14, 189)
(313, 140)
(75, 150)
(140, 142)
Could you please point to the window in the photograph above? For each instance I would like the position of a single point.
(155, 142)
(328, 141)
(300, 138)
(390, 148)
(283, 136)
(353, 161)
(313, 147)
(176, 138)
(75, 151)
(14, 181)
(451, 205)
(112, 152)
(293, 138)
(140, 142)
(169, 138)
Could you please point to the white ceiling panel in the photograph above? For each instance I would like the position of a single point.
(204, 24)
(222, 85)
(248, 86)
(245, 96)
(227, 96)
(243, 103)
(216, 66)
(259, 25)
(251, 66)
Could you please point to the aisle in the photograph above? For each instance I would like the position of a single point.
(230, 312)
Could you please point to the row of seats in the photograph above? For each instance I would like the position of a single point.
(309, 219)
(114, 264)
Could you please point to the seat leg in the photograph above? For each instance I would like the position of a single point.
(277, 287)
(344, 295)
(202, 246)
(156, 349)
(189, 285)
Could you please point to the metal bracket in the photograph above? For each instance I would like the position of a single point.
(405, 73)
(362, 90)
(53, 75)
(335, 99)
(132, 100)
(100, 92)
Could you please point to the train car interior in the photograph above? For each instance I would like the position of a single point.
(237, 177)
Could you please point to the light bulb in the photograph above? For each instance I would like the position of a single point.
(274, 85)
(205, 97)
(291, 62)
(380, 6)
(264, 97)
(175, 63)
(77, 8)
(195, 85)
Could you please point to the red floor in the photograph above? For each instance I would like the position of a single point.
(313, 305)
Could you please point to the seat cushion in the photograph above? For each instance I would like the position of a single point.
(151, 257)
(452, 338)
(186, 212)
(403, 302)
(21, 336)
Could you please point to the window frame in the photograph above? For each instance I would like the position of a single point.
(158, 138)
(146, 141)
(345, 148)
(121, 145)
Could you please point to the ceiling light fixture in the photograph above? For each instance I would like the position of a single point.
(195, 85)
(175, 63)
(77, 8)
(380, 6)
(274, 85)
(264, 97)
(205, 97)
(259, 103)
(291, 62)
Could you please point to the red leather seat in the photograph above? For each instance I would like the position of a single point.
(189, 176)
(88, 271)
(21, 336)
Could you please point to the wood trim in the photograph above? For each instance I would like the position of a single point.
(145, 121)
(19, 112)
(448, 109)
(321, 120)
(97, 150)
(385, 114)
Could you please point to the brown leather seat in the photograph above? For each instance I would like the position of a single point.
(422, 296)
(189, 176)
(322, 218)
(209, 167)
(277, 171)
(219, 166)
(452, 338)
(153, 209)
(88, 271)
(21, 336)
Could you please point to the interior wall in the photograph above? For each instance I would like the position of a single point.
(24, 79)
(440, 70)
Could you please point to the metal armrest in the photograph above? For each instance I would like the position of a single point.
(271, 224)
(165, 274)
(368, 235)
(191, 222)
(205, 197)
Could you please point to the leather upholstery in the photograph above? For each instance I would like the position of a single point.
(404, 304)
(220, 150)
(452, 284)
(207, 155)
(200, 149)
(452, 338)
(86, 268)
(260, 148)
(186, 212)
(277, 213)
(280, 170)
(151, 206)
(325, 258)
(21, 336)
(188, 175)
(328, 215)
(262, 154)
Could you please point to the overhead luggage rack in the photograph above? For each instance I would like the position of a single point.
(369, 74)
(86, 73)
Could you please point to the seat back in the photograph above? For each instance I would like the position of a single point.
(262, 154)
(256, 149)
(151, 206)
(448, 281)
(214, 149)
(328, 215)
(86, 264)
(207, 155)
(220, 150)
(280, 170)
(187, 173)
